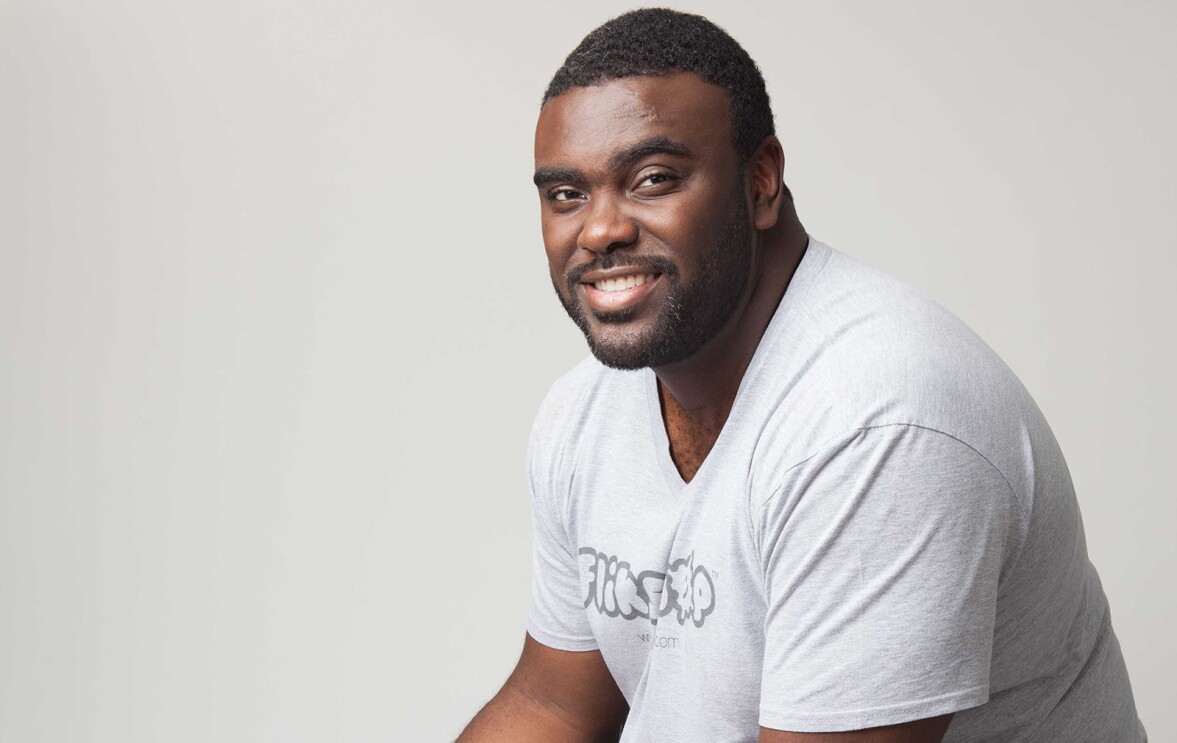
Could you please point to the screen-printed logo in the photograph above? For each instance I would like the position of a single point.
(685, 591)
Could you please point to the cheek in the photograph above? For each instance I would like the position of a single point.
(557, 276)
(559, 244)
(557, 264)
(686, 227)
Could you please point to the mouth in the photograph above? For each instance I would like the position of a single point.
(618, 291)
(621, 283)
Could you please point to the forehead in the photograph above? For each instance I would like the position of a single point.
(584, 125)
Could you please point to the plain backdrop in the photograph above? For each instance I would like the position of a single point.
(275, 318)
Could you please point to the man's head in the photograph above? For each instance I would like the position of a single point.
(658, 41)
(653, 183)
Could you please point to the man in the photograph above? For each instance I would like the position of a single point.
(790, 499)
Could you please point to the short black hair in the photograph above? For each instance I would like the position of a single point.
(659, 41)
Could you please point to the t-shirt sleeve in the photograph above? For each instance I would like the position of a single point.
(556, 615)
(881, 556)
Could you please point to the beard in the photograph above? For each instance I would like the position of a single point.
(693, 312)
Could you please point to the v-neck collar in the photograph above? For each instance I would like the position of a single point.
(812, 261)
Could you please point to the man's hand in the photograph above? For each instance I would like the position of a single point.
(930, 730)
(553, 696)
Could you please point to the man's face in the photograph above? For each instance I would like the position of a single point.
(645, 220)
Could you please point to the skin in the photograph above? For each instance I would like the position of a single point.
(552, 696)
(642, 173)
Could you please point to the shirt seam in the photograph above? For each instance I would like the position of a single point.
(855, 431)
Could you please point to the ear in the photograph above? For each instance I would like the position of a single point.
(766, 173)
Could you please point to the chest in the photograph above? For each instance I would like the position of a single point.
(690, 440)
(669, 576)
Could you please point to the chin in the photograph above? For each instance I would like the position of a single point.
(621, 362)
(618, 354)
(640, 350)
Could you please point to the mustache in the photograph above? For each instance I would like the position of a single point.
(654, 263)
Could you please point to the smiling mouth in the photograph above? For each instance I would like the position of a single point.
(621, 283)
(615, 298)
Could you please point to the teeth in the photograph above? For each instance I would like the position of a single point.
(621, 283)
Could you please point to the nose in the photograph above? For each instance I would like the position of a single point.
(606, 227)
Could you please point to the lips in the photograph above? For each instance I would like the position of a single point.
(621, 283)
(618, 290)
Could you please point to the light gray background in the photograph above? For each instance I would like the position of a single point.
(275, 317)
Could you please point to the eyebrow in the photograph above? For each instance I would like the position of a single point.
(647, 147)
(545, 176)
(637, 151)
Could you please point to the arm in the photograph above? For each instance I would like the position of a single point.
(930, 730)
(552, 696)
(883, 555)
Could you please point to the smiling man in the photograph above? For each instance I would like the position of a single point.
(788, 498)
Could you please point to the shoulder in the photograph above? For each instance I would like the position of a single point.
(881, 352)
(573, 406)
(886, 325)
(568, 397)
(861, 351)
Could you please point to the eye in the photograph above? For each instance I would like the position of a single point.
(655, 179)
(563, 194)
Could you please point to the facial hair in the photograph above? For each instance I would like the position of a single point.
(692, 314)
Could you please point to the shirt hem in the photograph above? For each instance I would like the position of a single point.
(843, 720)
(560, 642)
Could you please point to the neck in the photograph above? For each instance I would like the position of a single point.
(703, 387)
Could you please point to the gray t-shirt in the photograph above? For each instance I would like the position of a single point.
(884, 531)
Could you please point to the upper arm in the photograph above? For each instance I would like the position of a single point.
(930, 730)
(556, 614)
(882, 560)
(578, 683)
(574, 687)
(552, 695)
(561, 673)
